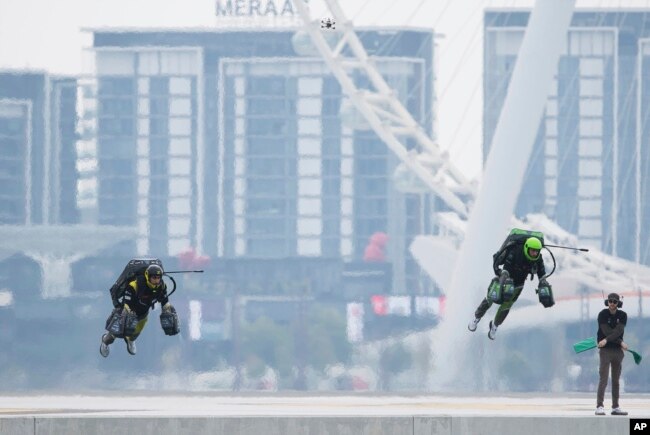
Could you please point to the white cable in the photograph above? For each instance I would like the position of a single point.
(363, 6)
(417, 8)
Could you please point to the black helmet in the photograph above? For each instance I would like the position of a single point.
(153, 270)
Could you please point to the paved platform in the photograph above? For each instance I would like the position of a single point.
(298, 414)
(138, 403)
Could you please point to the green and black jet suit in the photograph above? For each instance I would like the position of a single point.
(139, 297)
(517, 264)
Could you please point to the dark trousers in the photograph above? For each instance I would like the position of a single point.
(609, 356)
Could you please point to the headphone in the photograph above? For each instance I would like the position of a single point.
(619, 304)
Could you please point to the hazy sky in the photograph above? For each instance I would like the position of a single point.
(45, 35)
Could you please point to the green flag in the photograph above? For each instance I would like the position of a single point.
(583, 345)
(591, 343)
(637, 357)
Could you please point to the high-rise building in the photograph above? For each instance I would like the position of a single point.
(37, 137)
(231, 142)
(589, 170)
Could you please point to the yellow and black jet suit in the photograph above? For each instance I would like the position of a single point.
(139, 297)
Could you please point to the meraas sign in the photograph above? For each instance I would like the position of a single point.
(255, 8)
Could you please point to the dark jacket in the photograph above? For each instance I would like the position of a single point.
(140, 297)
(612, 326)
(518, 266)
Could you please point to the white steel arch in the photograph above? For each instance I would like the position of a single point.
(384, 112)
(393, 123)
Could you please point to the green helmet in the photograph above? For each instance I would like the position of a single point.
(532, 243)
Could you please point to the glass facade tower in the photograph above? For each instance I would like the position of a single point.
(232, 143)
(38, 123)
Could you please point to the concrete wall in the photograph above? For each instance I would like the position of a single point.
(17, 425)
(407, 425)
(588, 425)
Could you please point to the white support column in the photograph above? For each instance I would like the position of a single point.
(642, 50)
(309, 220)
(179, 167)
(47, 150)
(55, 141)
(143, 166)
(200, 155)
(347, 193)
(221, 125)
(28, 162)
(240, 186)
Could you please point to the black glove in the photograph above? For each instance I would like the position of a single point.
(545, 293)
(169, 320)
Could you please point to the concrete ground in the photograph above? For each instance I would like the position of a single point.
(139, 403)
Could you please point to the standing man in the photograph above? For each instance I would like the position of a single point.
(611, 325)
